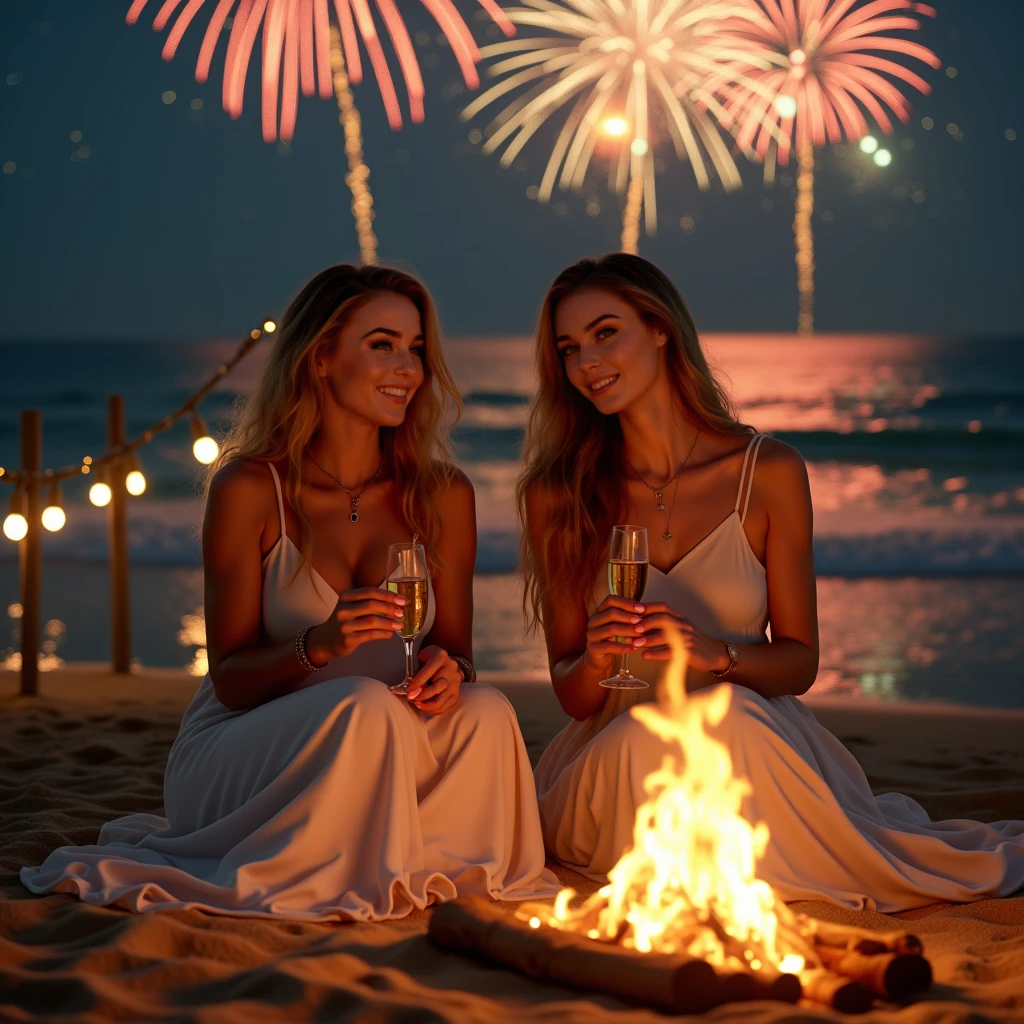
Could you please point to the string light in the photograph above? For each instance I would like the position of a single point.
(868, 144)
(16, 525)
(100, 492)
(53, 515)
(358, 175)
(135, 481)
(204, 448)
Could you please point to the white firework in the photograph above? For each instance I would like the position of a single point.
(625, 70)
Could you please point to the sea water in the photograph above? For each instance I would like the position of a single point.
(914, 446)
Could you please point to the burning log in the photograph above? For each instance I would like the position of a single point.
(837, 992)
(684, 924)
(889, 975)
(675, 983)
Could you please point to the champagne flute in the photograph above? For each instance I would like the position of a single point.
(627, 577)
(407, 577)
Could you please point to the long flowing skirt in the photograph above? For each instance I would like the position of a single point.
(339, 801)
(831, 838)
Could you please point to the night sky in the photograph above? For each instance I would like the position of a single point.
(163, 221)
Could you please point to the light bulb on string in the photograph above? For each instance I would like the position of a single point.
(16, 525)
(135, 481)
(204, 447)
(269, 325)
(100, 492)
(53, 517)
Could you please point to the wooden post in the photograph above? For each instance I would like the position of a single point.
(30, 551)
(117, 521)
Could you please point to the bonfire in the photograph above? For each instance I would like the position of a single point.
(684, 923)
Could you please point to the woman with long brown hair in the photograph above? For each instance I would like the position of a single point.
(314, 776)
(630, 426)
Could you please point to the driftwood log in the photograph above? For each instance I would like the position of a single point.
(678, 984)
(862, 940)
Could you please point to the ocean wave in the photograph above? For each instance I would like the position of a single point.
(902, 552)
(166, 534)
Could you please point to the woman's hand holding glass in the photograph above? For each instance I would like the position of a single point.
(614, 619)
(435, 687)
(363, 614)
(704, 653)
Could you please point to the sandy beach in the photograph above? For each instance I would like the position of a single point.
(93, 747)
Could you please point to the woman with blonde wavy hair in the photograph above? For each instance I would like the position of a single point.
(630, 426)
(301, 784)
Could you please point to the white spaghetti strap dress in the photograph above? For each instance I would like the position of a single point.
(831, 839)
(339, 801)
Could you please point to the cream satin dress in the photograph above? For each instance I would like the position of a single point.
(339, 801)
(831, 838)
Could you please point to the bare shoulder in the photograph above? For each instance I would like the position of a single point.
(244, 486)
(775, 457)
(780, 477)
(455, 495)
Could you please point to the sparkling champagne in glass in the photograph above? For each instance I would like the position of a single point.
(407, 577)
(627, 577)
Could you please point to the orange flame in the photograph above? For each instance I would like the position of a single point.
(689, 885)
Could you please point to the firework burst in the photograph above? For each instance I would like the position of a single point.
(823, 70)
(812, 69)
(622, 70)
(296, 49)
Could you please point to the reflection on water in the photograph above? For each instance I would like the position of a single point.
(959, 640)
(53, 636)
(193, 634)
(954, 639)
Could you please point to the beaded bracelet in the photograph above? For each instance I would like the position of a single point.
(300, 651)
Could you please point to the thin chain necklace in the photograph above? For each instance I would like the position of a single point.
(667, 535)
(353, 498)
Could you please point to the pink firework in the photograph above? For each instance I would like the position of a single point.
(296, 49)
(811, 68)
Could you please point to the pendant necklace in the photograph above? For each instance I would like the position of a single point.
(658, 491)
(353, 498)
